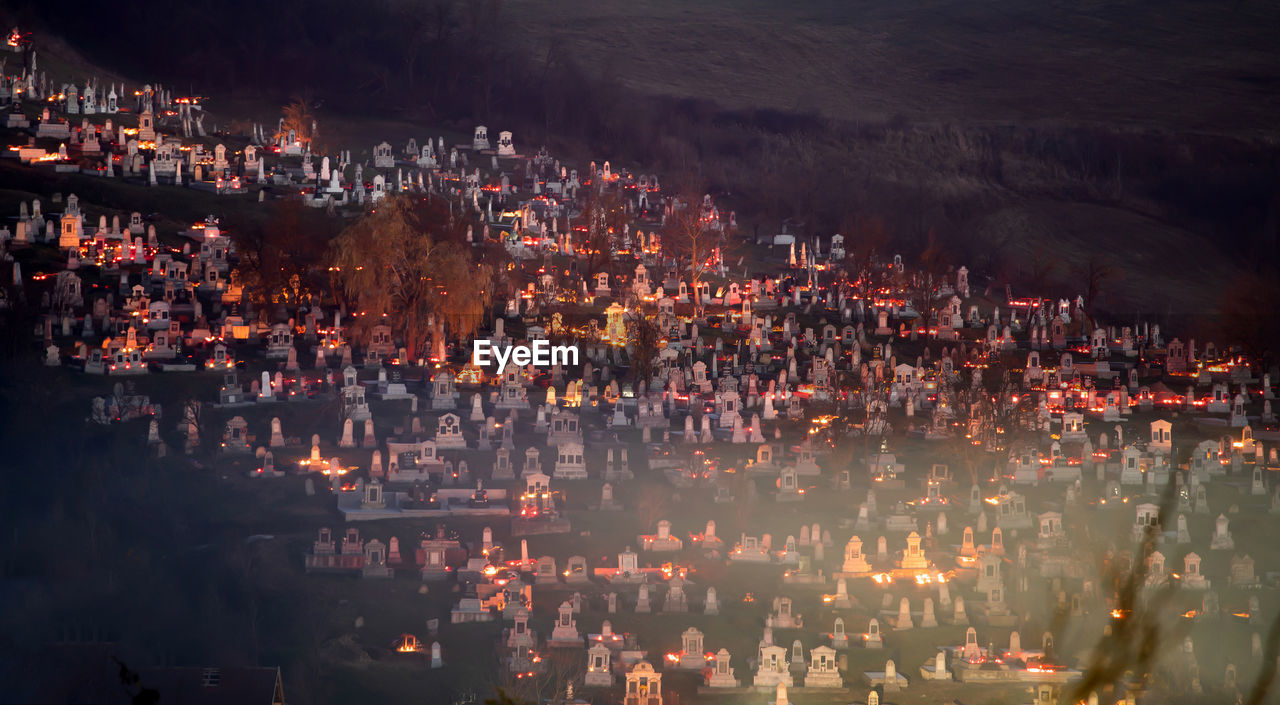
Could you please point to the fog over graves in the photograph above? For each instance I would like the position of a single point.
(308, 406)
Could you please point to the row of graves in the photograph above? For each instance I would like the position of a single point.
(146, 136)
(996, 435)
(196, 283)
(150, 136)
(1094, 438)
(759, 398)
(704, 411)
(1024, 522)
(124, 302)
(156, 303)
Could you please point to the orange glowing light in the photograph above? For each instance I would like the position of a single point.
(408, 644)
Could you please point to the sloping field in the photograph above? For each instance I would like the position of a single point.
(1181, 65)
(1159, 270)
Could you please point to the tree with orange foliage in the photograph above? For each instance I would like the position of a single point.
(402, 264)
(596, 230)
(297, 116)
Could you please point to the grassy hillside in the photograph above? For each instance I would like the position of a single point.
(1180, 65)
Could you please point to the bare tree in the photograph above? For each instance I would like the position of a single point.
(602, 217)
(1138, 622)
(555, 671)
(688, 235)
(644, 337)
(1097, 272)
(1041, 267)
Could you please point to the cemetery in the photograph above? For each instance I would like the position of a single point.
(771, 472)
